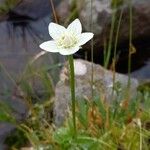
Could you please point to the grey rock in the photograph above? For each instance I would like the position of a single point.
(21, 34)
(33, 9)
(27, 8)
(102, 13)
(102, 85)
(143, 73)
(5, 129)
(23, 27)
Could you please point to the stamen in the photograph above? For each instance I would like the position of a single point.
(67, 40)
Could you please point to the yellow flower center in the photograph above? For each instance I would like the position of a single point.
(67, 40)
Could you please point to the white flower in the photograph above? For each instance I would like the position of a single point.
(66, 41)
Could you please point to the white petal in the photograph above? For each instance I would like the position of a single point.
(85, 37)
(75, 27)
(49, 46)
(69, 51)
(55, 30)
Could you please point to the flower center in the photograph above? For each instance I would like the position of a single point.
(67, 40)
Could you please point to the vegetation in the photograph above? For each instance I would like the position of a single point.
(122, 125)
(8, 5)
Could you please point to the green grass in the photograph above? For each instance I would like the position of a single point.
(100, 126)
(8, 5)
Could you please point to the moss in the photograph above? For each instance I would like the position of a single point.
(117, 3)
(16, 139)
(144, 87)
(7, 6)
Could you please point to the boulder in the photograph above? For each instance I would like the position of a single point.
(102, 12)
(33, 9)
(102, 86)
(26, 8)
(5, 129)
(23, 26)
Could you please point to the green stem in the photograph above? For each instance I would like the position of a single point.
(130, 43)
(141, 138)
(72, 86)
(92, 51)
(130, 49)
(115, 51)
(110, 37)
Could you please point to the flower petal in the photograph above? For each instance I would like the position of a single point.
(49, 46)
(55, 30)
(75, 27)
(69, 51)
(85, 37)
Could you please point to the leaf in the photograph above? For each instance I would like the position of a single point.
(132, 49)
(6, 113)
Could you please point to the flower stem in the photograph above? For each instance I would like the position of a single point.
(72, 86)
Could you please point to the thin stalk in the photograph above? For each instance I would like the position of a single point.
(117, 35)
(53, 10)
(115, 49)
(8, 75)
(110, 37)
(130, 49)
(130, 43)
(105, 51)
(92, 50)
(72, 87)
(141, 141)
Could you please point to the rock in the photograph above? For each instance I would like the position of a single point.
(29, 8)
(23, 30)
(5, 129)
(23, 26)
(143, 73)
(18, 109)
(26, 8)
(102, 79)
(102, 12)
